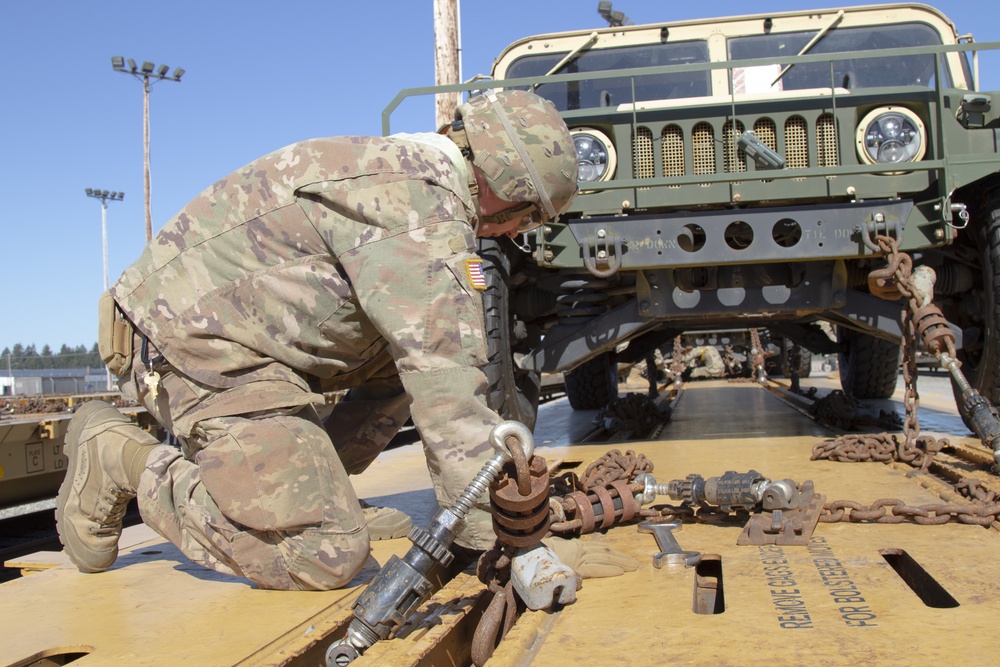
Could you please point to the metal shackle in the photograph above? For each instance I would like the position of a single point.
(508, 429)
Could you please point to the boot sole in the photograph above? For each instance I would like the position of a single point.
(400, 529)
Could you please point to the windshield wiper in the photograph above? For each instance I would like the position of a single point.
(812, 43)
(590, 41)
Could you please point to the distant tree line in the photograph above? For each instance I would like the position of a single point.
(26, 357)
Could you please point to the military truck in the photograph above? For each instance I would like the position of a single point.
(734, 173)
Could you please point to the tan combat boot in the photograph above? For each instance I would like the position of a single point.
(385, 523)
(107, 453)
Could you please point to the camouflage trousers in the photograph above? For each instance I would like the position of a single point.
(709, 362)
(266, 494)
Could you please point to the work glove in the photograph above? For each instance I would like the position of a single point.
(591, 560)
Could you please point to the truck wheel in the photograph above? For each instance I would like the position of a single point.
(773, 367)
(593, 384)
(981, 358)
(805, 360)
(513, 392)
(868, 366)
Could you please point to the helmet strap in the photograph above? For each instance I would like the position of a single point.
(458, 134)
(508, 214)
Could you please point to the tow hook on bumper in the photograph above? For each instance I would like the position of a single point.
(602, 254)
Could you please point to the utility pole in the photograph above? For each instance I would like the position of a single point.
(148, 77)
(447, 50)
(104, 196)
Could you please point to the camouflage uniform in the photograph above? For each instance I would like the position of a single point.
(706, 361)
(330, 264)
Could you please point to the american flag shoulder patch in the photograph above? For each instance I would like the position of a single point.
(474, 269)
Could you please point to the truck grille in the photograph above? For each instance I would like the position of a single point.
(708, 156)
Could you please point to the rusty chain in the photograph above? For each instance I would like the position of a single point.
(504, 608)
(883, 447)
(894, 510)
(982, 511)
(676, 365)
(614, 466)
(31, 405)
(973, 489)
(617, 468)
(757, 348)
(519, 499)
(614, 475)
(755, 360)
(603, 496)
(919, 318)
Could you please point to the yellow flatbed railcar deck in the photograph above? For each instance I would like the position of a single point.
(837, 601)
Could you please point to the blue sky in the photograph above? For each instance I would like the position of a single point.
(260, 75)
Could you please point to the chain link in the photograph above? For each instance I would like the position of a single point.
(519, 498)
(676, 365)
(614, 466)
(919, 318)
(884, 447)
(572, 498)
(894, 510)
(758, 354)
(973, 489)
(500, 615)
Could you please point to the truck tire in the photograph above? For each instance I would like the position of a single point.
(981, 359)
(593, 384)
(868, 366)
(513, 392)
(805, 360)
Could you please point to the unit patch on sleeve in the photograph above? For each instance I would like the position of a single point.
(474, 269)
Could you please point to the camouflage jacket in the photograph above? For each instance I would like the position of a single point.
(326, 260)
(265, 272)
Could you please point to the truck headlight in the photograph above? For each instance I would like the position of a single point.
(595, 155)
(889, 135)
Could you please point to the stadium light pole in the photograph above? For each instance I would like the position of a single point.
(104, 196)
(148, 74)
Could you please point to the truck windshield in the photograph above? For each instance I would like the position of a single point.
(614, 91)
(848, 73)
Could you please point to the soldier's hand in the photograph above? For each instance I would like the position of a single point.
(591, 560)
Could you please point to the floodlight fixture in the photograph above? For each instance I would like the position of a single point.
(148, 76)
(614, 19)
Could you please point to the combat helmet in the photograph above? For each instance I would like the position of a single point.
(524, 149)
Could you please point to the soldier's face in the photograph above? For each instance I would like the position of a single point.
(490, 204)
(487, 229)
